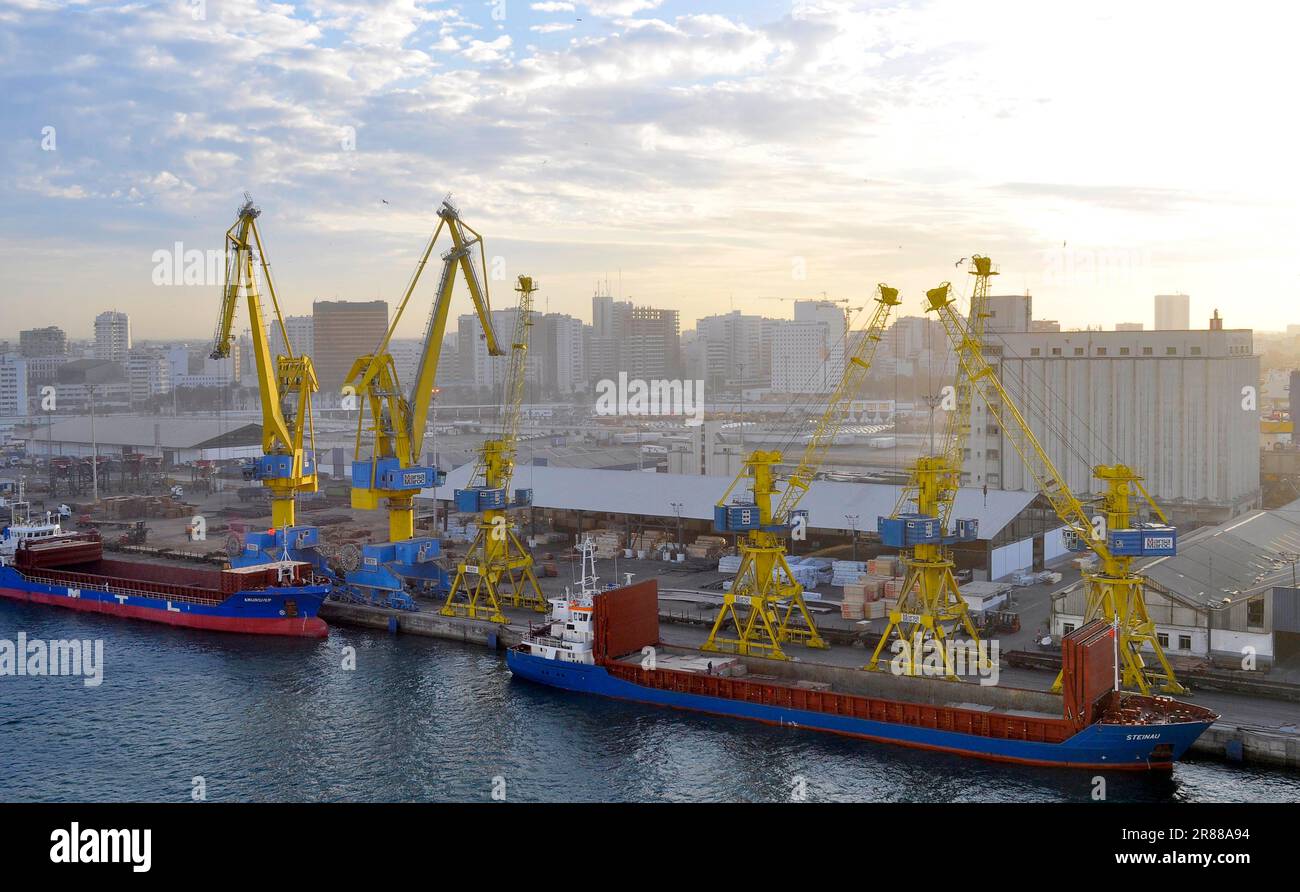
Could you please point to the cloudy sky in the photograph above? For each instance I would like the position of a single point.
(708, 156)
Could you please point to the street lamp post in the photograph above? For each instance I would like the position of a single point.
(853, 525)
(94, 449)
(677, 509)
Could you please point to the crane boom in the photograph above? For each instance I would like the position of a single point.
(1002, 407)
(832, 419)
(764, 575)
(398, 421)
(497, 565)
(1115, 591)
(287, 465)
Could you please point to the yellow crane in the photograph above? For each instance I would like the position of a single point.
(929, 605)
(394, 472)
(497, 566)
(285, 384)
(764, 577)
(1115, 591)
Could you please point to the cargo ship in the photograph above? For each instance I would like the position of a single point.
(40, 563)
(607, 643)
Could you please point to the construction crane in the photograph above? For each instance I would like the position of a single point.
(1115, 592)
(497, 567)
(393, 471)
(929, 605)
(764, 577)
(286, 383)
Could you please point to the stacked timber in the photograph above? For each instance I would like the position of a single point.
(609, 543)
(884, 565)
(706, 548)
(854, 603)
(843, 572)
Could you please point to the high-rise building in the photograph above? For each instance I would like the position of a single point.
(13, 385)
(112, 336)
(800, 361)
(832, 316)
(1173, 312)
(301, 336)
(642, 341)
(480, 368)
(341, 331)
(48, 341)
(558, 347)
(1009, 312)
(735, 349)
(149, 374)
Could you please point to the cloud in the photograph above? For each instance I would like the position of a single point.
(620, 7)
(697, 152)
(487, 50)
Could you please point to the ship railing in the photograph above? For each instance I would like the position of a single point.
(121, 589)
(546, 640)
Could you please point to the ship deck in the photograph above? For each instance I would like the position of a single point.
(854, 681)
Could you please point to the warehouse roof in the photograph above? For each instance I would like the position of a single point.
(827, 502)
(185, 432)
(1240, 557)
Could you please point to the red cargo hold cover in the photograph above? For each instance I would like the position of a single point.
(626, 620)
(1087, 671)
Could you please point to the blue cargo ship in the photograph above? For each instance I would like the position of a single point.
(42, 564)
(606, 643)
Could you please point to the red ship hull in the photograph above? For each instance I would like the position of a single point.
(298, 627)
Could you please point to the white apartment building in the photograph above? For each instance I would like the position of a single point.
(559, 346)
(13, 386)
(112, 336)
(149, 375)
(483, 369)
(831, 315)
(1173, 312)
(800, 359)
(736, 348)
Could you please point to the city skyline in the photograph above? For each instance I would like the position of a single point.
(707, 161)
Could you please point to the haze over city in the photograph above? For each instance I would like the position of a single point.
(703, 162)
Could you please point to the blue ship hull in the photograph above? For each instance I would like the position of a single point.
(289, 610)
(1097, 746)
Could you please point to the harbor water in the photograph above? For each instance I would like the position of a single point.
(363, 716)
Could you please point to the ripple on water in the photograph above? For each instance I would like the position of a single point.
(419, 719)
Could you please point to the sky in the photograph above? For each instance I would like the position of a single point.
(701, 156)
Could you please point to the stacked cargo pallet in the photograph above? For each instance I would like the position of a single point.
(648, 540)
(846, 572)
(609, 543)
(884, 565)
(706, 548)
(854, 604)
(805, 576)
